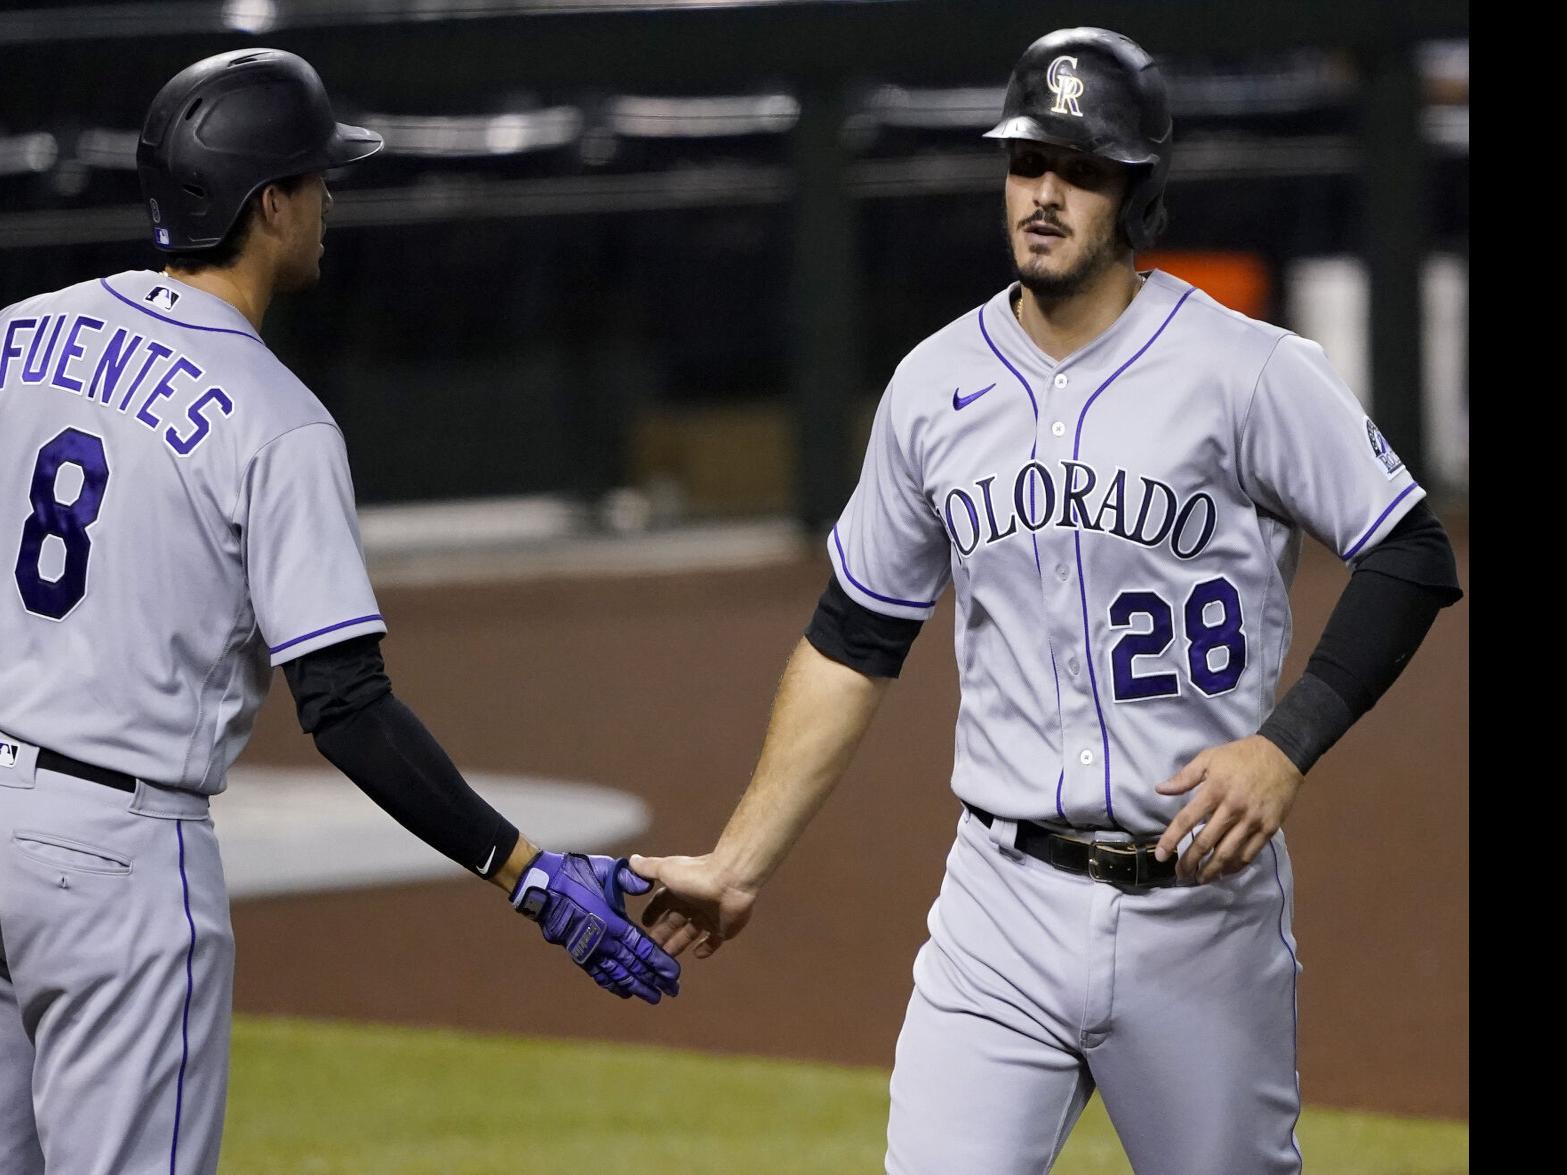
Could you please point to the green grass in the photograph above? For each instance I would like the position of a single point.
(310, 1098)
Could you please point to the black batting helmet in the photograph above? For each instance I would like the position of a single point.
(1098, 92)
(223, 128)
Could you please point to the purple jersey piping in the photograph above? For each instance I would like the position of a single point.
(216, 330)
(1077, 439)
(299, 640)
(1381, 518)
(1061, 726)
(1294, 996)
(843, 561)
(1005, 362)
(1033, 452)
(1082, 586)
(1033, 538)
(190, 953)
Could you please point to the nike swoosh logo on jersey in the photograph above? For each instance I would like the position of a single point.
(485, 868)
(960, 402)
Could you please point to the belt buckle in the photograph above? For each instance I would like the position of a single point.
(1111, 849)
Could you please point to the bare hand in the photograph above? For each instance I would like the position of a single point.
(697, 901)
(1244, 791)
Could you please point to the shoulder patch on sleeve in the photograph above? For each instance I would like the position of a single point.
(1381, 450)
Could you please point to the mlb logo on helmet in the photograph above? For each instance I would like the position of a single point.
(8, 754)
(161, 235)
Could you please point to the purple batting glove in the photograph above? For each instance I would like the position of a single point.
(579, 903)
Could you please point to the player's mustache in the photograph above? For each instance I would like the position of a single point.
(1048, 221)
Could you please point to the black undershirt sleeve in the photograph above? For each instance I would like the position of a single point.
(853, 635)
(1385, 611)
(345, 700)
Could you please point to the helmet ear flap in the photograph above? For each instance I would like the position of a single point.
(1142, 221)
(1144, 214)
(1156, 220)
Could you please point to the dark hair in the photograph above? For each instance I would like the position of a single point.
(227, 251)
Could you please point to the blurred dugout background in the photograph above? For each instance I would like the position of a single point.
(642, 263)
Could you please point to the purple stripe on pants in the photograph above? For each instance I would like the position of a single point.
(190, 954)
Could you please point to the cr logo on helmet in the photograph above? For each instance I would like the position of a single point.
(1067, 89)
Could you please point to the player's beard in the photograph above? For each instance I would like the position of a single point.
(1097, 255)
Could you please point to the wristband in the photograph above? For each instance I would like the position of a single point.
(1308, 720)
(531, 890)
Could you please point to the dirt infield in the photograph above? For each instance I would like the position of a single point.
(661, 687)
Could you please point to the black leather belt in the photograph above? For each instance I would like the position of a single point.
(1128, 863)
(65, 765)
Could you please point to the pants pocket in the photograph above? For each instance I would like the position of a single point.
(60, 852)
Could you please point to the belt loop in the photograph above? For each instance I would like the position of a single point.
(165, 803)
(1003, 834)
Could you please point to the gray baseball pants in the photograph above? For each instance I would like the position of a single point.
(1037, 986)
(116, 977)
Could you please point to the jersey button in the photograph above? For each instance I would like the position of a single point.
(1061, 381)
(1073, 667)
(1058, 429)
(1062, 572)
(1086, 758)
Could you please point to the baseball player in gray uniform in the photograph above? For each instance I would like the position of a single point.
(179, 520)
(1114, 472)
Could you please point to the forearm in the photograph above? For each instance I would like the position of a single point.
(819, 716)
(394, 760)
(345, 700)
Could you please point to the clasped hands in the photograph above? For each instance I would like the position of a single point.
(579, 903)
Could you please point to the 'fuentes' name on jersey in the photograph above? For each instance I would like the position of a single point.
(65, 347)
(1149, 515)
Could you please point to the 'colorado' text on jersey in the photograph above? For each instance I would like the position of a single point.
(1121, 529)
(176, 517)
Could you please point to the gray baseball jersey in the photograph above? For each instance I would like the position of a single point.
(1120, 528)
(180, 518)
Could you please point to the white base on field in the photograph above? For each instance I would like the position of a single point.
(290, 831)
